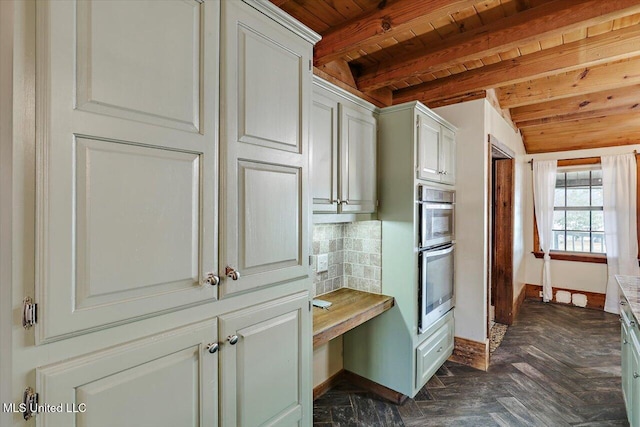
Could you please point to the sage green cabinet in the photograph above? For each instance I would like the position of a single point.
(265, 364)
(343, 151)
(434, 351)
(436, 150)
(630, 352)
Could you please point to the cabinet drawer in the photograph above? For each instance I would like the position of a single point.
(433, 352)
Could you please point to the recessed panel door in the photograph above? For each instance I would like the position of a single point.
(428, 149)
(323, 157)
(126, 120)
(265, 361)
(266, 89)
(357, 161)
(166, 381)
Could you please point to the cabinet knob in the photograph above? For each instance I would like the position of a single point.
(635, 375)
(213, 347)
(212, 279)
(346, 202)
(337, 201)
(233, 339)
(632, 323)
(231, 272)
(625, 342)
(623, 302)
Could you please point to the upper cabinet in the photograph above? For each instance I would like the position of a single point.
(266, 93)
(343, 151)
(436, 149)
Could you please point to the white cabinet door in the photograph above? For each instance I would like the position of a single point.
(127, 160)
(323, 154)
(265, 88)
(357, 161)
(428, 149)
(266, 376)
(448, 152)
(163, 381)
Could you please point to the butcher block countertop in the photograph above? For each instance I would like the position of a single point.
(349, 309)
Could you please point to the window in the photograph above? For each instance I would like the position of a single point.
(578, 220)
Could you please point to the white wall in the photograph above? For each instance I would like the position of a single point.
(497, 126)
(327, 361)
(471, 217)
(573, 275)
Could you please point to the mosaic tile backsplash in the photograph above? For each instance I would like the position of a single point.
(354, 252)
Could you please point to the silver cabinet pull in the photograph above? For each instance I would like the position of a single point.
(231, 272)
(623, 302)
(213, 347)
(212, 279)
(346, 202)
(337, 201)
(632, 323)
(635, 375)
(233, 339)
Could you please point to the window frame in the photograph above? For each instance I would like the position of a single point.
(582, 256)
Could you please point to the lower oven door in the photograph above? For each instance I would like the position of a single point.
(436, 284)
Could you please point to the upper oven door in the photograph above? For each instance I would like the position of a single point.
(436, 224)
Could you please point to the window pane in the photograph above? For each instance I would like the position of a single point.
(597, 243)
(596, 196)
(577, 241)
(597, 220)
(558, 241)
(559, 197)
(560, 179)
(578, 196)
(577, 221)
(576, 179)
(558, 220)
(596, 177)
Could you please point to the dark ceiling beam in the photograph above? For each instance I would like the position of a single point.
(549, 20)
(611, 46)
(382, 23)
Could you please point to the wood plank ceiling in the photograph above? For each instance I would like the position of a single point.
(566, 72)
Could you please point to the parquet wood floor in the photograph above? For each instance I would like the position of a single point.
(557, 366)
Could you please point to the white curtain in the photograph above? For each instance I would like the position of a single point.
(544, 185)
(620, 230)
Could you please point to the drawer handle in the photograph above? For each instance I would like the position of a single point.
(440, 349)
(635, 375)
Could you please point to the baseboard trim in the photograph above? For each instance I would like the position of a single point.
(471, 353)
(595, 301)
(327, 385)
(378, 389)
(517, 303)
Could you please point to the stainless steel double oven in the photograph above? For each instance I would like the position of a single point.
(435, 253)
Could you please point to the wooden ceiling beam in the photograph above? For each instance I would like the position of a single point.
(611, 46)
(610, 102)
(549, 20)
(579, 82)
(623, 129)
(381, 23)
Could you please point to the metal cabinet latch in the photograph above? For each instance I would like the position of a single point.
(29, 313)
(30, 401)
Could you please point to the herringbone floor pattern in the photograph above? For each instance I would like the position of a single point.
(557, 366)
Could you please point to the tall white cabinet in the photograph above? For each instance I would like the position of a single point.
(389, 349)
(169, 266)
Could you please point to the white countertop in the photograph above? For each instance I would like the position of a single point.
(630, 287)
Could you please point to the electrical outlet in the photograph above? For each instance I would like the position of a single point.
(323, 263)
(540, 294)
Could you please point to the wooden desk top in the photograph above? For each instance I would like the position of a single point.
(350, 308)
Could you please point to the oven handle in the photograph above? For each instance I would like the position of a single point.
(431, 205)
(430, 253)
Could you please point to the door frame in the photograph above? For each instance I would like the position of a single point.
(6, 202)
(505, 178)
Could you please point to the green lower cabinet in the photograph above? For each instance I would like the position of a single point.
(633, 378)
(630, 352)
(433, 352)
